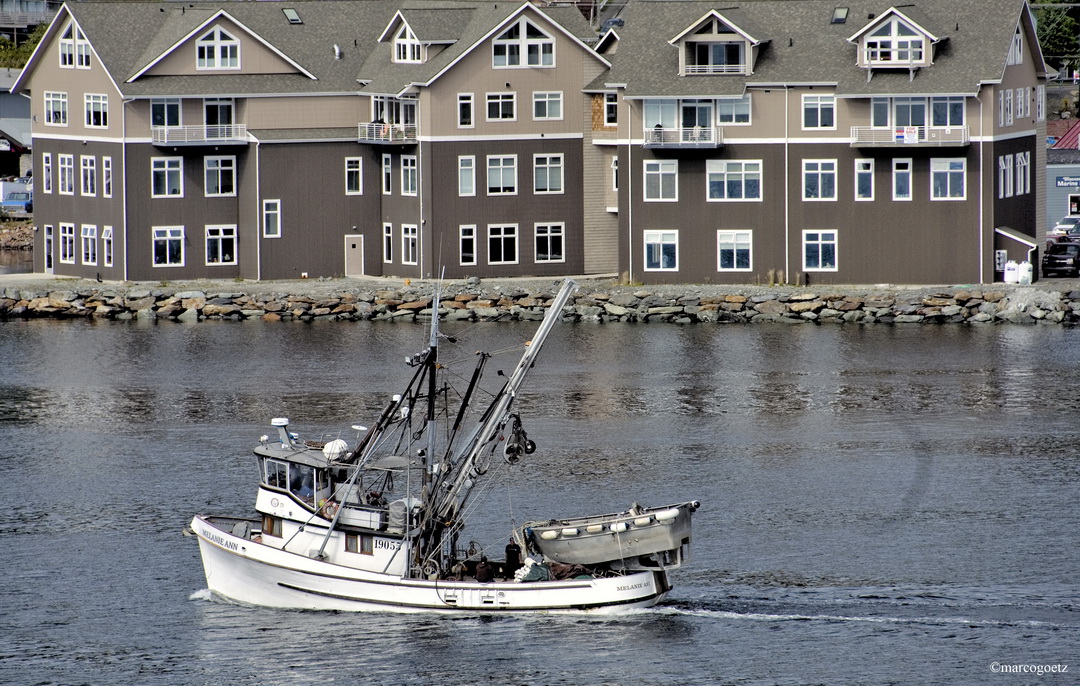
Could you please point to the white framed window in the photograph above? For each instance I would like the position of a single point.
(547, 105)
(46, 172)
(733, 180)
(106, 177)
(56, 108)
(502, 106)
(502, 174)
(220, 175)
(819, 112)
(271, 219)
(734, 251)
(410, 239)
(97, 111)
(547, 173)
(388, 243)
(354, 176)
(1018, 103)
(466, 175)
(87, 175)
(819, 179)
(1016, 49)
(819, 251)
(947, 111)
(894, 43)
(1040, 102)
(661, 251)
(408, 175)
(864, 179)
(465, 111)
(661, 181)
(901, 179)
(67, 243)
(166, 177)
(614, 173)
(407, 47)
(1005, 176)
(217, 49)
(67, 174)
(522, 37)
(220, 245)
(1023, 173)
(502, 244)
(164, 112)
(74, 48)
(107, 245)
(89, 244)
(467, 244)
(733, 111)
(549, 242)
(1007, 107)
(880, 110)
(611, 109)
(387, 174)
(947, 178)
(168, 246)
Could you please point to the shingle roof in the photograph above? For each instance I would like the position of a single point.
(806, 48)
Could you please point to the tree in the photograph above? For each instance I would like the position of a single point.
(15, 56)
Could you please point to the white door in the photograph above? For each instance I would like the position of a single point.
(354, 255)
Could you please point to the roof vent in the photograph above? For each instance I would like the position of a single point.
(337, 51)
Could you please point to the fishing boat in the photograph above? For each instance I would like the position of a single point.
(377, 523)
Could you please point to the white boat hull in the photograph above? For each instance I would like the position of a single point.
(249, 572)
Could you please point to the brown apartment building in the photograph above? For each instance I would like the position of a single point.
(682, 142)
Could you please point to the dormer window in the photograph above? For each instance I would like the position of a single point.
(523, 37)
(715, 48)
(407, 47)
(217, 49)
(894, 43)
(1016, 50)
(74, 48)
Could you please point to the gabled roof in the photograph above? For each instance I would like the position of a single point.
(911, 15)
(430, 25)
(806, 48)
(732, 17)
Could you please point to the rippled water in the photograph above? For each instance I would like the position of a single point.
(880, 504)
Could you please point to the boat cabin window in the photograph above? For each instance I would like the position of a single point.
(271, 526)
(276, 473)
(302, 481)
(359, 543)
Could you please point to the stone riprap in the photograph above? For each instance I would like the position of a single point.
(598, 300)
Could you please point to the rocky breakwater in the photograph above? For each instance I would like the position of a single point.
(597, 301)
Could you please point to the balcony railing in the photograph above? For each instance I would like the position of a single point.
(689, 137)
(215, 134)
(715, 69)
(387, 133)
(899, 136)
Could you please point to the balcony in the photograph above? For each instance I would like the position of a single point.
(690, 137)
(692, 69)
(900, 136)
(387, 133)
(209, 134)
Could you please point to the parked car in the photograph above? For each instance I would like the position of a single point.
(1066, 223)
(1063, 259)
(18, 202)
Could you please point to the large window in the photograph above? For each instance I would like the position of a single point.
(502, 244)
(819, 251)
(410, 239)
(220, 176)
(1005, 176)
(864, 179)
(169, 246)
(547, 105)
(407, 47)
(733, 180)
(165, 112)
(501, 106)
(271, 219)
(220, 245)
(547, 173)
(947, 111)
(97, 111)
(465, 110)
(408, 175)
(166, 177)
(661, 251)
(734, 251)
(502, 174)
(901, 179)
(892, 43)
(819, 179)
(947, 179)
(56, 108)
(89, 244)
(88, 175)
(354, 176)
(611, 109)
(1023, 173)
(523, 37)
(466, 175)
(46, 172)
(661, 181)
(549, 242)
(819, 112)
(67, 243)
(67, 174)
(467, 243)
(217, 49)
(74, 48)
(730, 111)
